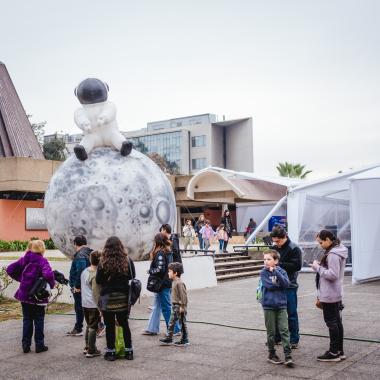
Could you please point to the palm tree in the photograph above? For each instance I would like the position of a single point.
(287, 169)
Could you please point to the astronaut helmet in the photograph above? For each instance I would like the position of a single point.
(91, 91)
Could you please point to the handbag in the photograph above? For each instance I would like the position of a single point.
(134, 288)
(154, 283)
(119, 342)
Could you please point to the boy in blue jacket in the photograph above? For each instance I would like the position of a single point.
(274, 282)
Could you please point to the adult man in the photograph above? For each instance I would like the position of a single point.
(80, 262)
(166, 230)
(291, 261)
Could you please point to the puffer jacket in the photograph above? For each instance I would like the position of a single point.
(274, 285)
(27, 270)
(330, 288)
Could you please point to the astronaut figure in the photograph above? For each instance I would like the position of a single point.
(97, 120)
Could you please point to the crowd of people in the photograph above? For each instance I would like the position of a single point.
(100, 283)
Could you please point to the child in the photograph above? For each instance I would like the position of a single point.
(179, 307)
(90, 298)
(207, 234)
(274, 282)
(189, 234)
(27, 270)
(222, 236)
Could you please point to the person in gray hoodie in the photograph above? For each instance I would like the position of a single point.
(330, 274)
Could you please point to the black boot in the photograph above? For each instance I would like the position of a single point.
(80, 152)
(129, 355)
(126, 148)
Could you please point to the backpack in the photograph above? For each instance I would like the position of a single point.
(259, 292)
(134, 288)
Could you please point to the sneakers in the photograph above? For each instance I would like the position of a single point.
(329, 357)
(293, 346)
(289, 361)
(177, 333)
(342, 356)
(110, 356)
(85, 350)
(166, 341)
(273, 358)
(41, 349)
(146, 332)
(74, 332)
(92, 354)
(129, 355)
(182, 343)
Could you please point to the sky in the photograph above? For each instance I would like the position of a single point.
(306, 71)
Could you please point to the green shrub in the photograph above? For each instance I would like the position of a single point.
(18, 245)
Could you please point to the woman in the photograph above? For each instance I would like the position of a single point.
(27, 270)
(198, 226)
(226, 220)
(160, 257)
(330, 274)
(115, 270)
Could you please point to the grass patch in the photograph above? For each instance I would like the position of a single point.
(11, 309)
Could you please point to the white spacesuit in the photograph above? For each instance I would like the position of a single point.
(97, 120)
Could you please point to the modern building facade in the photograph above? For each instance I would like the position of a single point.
(196, 142)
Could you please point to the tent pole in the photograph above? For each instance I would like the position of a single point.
(265, 220)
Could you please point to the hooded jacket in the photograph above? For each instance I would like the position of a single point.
(27, 270)
(80, 262)
(274, 285)
(331, 278)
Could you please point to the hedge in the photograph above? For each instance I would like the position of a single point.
(20, 245)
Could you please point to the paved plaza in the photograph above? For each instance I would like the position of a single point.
(216, 352)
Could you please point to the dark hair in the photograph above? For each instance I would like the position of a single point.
(80, 240)
(167, 228)
(176, 268)
(114, 257)
(278, 232)
(225, 214)
(161, 243)
(324, 235)
(276, 255)
(95, 258)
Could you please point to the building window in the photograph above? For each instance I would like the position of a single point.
(198, 163)
(197, 141)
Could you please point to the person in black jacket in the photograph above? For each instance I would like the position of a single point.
(161, 257)
(80, 262)
(115, 270)
(166, 230)
(228, 226)
(291, 261)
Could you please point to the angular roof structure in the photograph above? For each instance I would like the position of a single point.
(16, 135)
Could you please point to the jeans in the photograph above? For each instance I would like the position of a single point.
(225, 245)
(291, 295)
(78, 311)
(175, 316)
(221, 245)
(161, 304)
(32, 314)
(333, 318)
(122, 320)
(277, 319)
(200, 239)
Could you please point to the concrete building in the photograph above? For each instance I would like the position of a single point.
(196, 142)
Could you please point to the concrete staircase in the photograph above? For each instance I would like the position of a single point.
(235, 265)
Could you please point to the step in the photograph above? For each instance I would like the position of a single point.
(226, 259)
(237, 275)
(238, 270)
(238, 263)
(229, 254)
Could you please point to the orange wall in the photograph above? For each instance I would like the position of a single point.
(12, 220)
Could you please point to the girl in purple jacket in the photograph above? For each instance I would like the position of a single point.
(27, 270)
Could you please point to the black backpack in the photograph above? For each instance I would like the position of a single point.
(134, 288)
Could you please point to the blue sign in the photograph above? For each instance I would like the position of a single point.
(276, 221)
